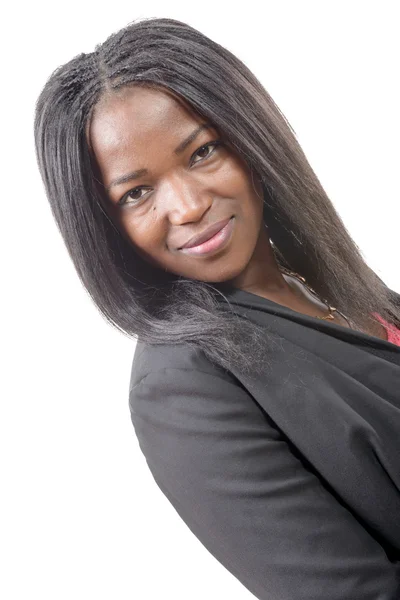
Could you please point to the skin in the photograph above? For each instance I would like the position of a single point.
(182, 194)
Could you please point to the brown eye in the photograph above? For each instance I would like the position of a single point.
(206, 146)
(129, 195)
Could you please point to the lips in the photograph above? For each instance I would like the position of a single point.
(206, 234)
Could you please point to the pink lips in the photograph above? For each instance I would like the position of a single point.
(217, 241)
(206, 235)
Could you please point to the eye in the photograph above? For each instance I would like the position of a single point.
(129, 194)
(210, 144)
(134, 191)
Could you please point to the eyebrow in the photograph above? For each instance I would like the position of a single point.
(178, 150)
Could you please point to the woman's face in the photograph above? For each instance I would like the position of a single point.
(183, 184)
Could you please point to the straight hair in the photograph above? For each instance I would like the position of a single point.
(306, 233)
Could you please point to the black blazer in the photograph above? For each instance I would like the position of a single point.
(291, 481)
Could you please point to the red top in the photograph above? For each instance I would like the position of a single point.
(393, 333)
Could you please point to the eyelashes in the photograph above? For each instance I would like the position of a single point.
(214, 144)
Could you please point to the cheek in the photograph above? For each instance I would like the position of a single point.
(147, 257)
(148, 239)
(149, 251)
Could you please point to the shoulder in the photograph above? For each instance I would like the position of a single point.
(180, 401)
(155, 360)
(209, 445)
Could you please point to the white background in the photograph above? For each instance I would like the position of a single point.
(81, 516)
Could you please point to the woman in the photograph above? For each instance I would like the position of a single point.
(265, 384)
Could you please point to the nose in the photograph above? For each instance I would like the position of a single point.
(186, 201)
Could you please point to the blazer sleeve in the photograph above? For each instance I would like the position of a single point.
(247, 496)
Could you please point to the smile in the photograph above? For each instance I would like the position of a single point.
(216, 242)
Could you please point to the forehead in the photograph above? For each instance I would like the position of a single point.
(138, 115)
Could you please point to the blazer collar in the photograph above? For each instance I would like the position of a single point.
(248, 300)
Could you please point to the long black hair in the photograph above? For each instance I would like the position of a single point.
(306, 233)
